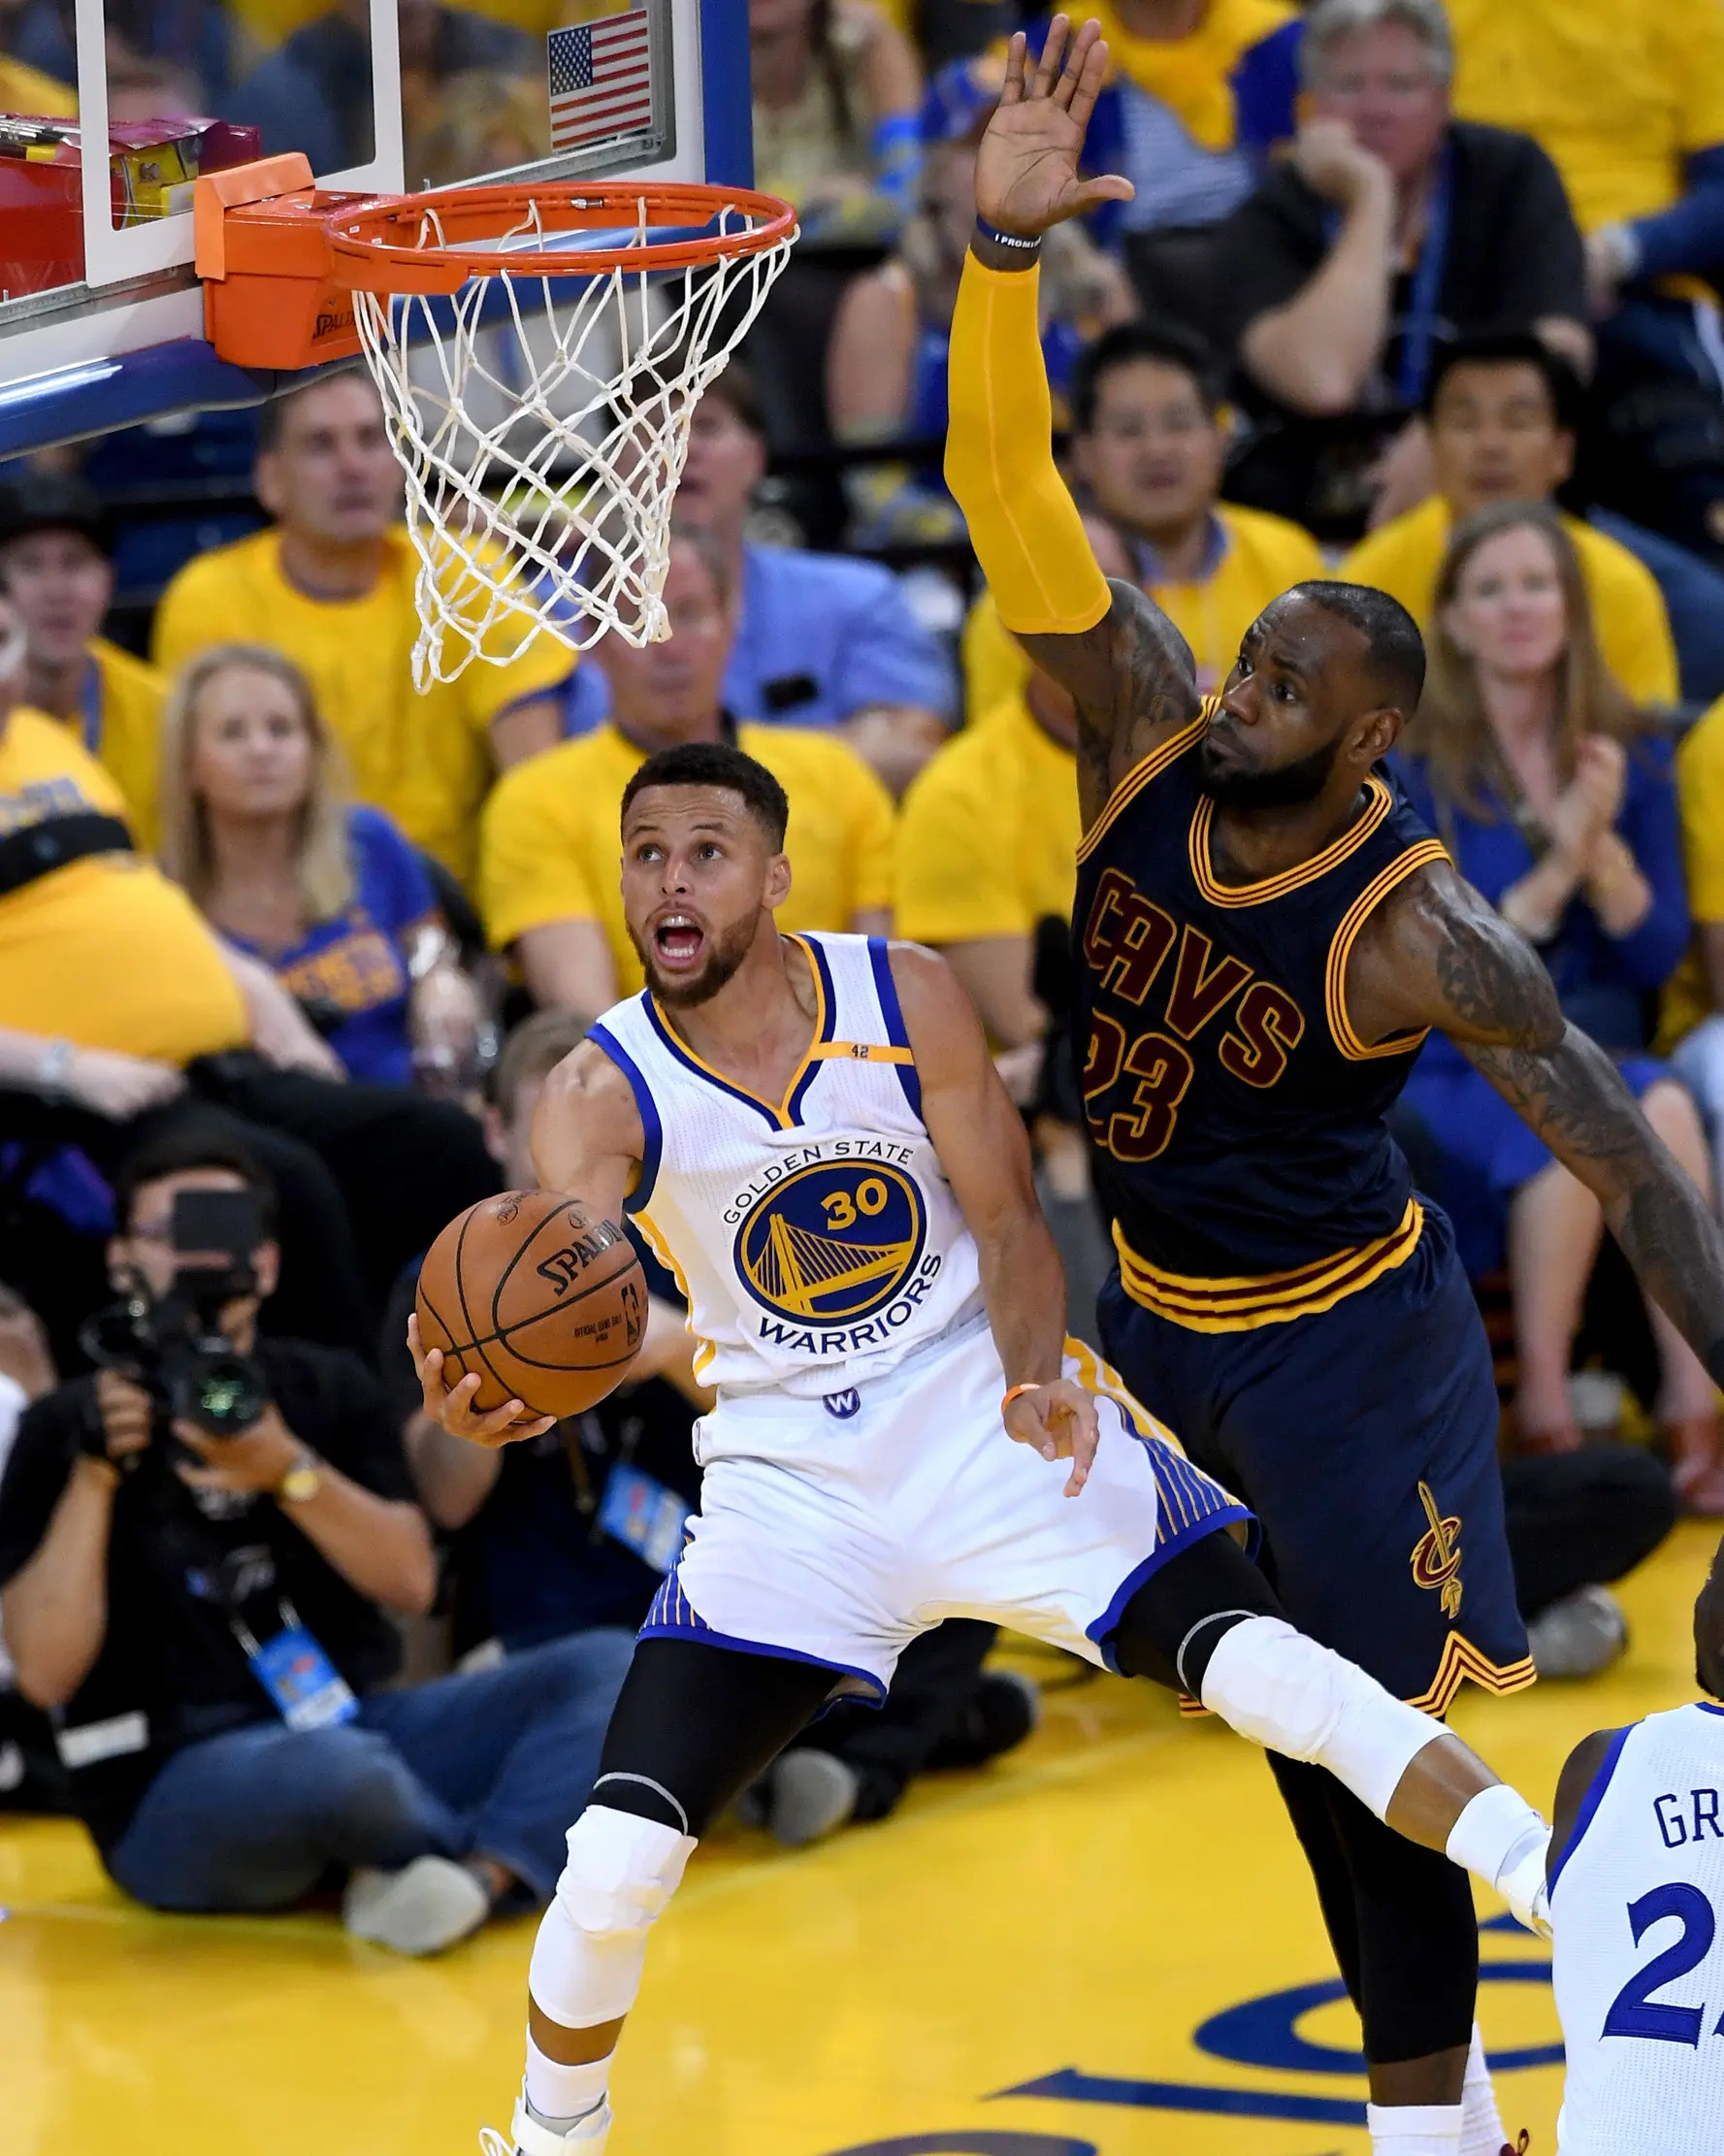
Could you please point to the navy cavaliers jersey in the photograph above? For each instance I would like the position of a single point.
(1242, 1150)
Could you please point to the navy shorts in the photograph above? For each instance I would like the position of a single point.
(1365, 1440)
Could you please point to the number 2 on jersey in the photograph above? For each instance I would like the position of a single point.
(1139, 1126)
(1634, 2012)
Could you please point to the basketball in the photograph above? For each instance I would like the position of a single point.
(547, 1304)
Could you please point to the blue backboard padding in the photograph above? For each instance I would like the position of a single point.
(726, 98)
(97, 395)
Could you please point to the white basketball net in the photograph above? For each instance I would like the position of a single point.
(543, 427)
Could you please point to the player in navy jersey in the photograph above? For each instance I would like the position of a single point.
(1264, 934)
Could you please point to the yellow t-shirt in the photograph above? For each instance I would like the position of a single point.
(128, 737)
(105, 952)
(1260, 557)
(1700, 790)
(1404, 556)
(988, 835)
(549, 848)
(1618, 94)
(26, 90)
(424, 758)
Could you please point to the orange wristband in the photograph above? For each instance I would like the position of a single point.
(1015, 1392)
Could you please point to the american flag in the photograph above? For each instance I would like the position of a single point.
(602, 80)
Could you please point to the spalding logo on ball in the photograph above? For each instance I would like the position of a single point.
(547, 1303)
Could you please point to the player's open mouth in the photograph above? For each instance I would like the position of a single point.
(678, 939)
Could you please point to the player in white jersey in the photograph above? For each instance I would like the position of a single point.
(811, 1131)
(1636, 1901)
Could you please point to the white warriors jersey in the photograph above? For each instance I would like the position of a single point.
(815, 1237)
(1638, 1913)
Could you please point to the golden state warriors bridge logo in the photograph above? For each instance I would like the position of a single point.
(834, 1243)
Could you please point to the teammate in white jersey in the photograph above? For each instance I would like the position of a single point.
(1637, 1900)
(811, 1131)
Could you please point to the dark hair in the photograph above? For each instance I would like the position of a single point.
(533, 1051)
(180, 1153)
(738, 387)
(1390, 633)
(1163, 344)
(271, 415)
(1512, 347)
(1709, 1629)
(716, 764)
(49, 501)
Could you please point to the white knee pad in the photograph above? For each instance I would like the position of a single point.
(1284, 1691)
(592, 1941)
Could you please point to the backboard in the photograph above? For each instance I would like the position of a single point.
(101, 313)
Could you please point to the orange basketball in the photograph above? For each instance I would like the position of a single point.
(545, 1303)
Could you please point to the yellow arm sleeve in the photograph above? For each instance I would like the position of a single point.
(999, 461)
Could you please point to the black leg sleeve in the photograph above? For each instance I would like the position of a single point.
(694, 1724)
(1304, 1791)
(1177, 1618)
(1418, 1937)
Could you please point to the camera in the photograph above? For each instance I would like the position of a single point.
(174, 1343)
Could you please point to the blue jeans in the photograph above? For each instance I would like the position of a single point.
(1692, 597)
(496, 1763)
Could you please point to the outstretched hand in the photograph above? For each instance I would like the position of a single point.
(1027, 169)
(1059, 1421)
(451, 1405)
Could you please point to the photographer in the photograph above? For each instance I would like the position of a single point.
(193, 1548)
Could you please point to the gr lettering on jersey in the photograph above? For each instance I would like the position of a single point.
(872, 1332)
(811, 1155)
(1690, 1819)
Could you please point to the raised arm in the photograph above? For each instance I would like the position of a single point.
(979, 1137)
(1122, 660)
(1435, 954)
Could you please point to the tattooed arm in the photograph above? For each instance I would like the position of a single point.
(1435, 954)
(1133, 681)
(1122, 660)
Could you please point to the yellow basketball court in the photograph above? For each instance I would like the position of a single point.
(1105, 1946)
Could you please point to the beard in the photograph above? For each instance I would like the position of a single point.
(1287, 786)
(724, 955)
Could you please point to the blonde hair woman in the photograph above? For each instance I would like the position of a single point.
(1557, 802)
(257, 827)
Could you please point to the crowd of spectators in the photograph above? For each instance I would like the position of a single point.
(1422, 293)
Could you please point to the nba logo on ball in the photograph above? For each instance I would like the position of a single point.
(834, 1243)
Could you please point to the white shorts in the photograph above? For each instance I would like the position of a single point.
(840, 1555)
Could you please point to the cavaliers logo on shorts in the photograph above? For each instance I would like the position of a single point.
(834, 1242)
(1437, 1556)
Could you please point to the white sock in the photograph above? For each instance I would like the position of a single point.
(1415, 2129)
(559, 2096)
(1481, 2124)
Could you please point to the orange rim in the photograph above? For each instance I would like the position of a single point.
(435, 241)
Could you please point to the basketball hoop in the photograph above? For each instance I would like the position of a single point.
(539, 350)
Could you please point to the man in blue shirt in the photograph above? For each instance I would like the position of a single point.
(822, 639)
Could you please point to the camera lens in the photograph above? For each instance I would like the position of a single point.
(225, 1395)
